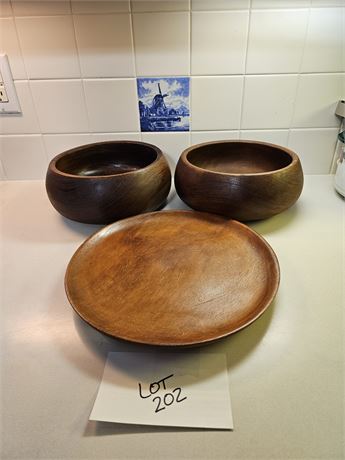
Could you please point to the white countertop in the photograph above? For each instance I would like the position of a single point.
(286, 370)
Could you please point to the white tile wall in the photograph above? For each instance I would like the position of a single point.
(275, 39)
(280, 3)
(99, 6)
(216, 103)
(23, 157)
(219, 4)
(48, 46)
(160, 5)
(161, 43)
(324, 48)
(27, 122)
(60, 105)
(101, 137)
(9, 45)
(277, 136)
(2, 172)
(271, 70)
(316, 100)
(315, 148)
(112, 105)
(40, 8)
(5, 8)
(198, 137)
(327, 3)
(58, 143)
(268, 101)
(171, 144)
(222, 50)
(105, 46)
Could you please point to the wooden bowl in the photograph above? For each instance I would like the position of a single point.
(106, 181)
(172, 278)
(244, 180)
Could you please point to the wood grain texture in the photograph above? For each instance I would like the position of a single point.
(106, 181)
(243, 180)
(173, 278)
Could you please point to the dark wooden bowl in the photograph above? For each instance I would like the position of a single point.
(106, 181)
(244, 180)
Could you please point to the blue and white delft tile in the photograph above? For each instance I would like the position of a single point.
(163, 103)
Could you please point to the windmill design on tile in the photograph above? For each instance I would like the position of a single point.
(158, 104)
(158, 115)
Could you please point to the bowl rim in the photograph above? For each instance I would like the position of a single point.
(52, 165)
(183, 158)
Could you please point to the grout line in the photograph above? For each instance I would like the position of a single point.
(245, 64)
(81, 76)
(37, 119)
(69, 134)
(299, 75)
(3, 175)
(124, 133)
(11, 8)
(131, 77)
(190, 71)
(134, 54)
(20, 48)
(134, 60)
(190, 40)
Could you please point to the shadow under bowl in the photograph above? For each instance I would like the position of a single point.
(242, 180)
(106, 181)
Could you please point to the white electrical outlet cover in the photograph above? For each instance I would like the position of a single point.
(9, 102)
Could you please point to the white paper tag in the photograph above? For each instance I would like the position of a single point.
(188, 389)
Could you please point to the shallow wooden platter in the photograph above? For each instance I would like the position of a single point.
(172, 278)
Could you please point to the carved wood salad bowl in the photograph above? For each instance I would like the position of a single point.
(106, 181)
(243, 180)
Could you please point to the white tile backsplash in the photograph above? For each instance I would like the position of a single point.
(105, 46)
(271, 70)
(5, 8)
(280, 3)
(25, 122)
(198, 137)
(9, 45)
(314, 147)
(58, 143)
(23, 157)
(276, 136)
(162, 43)
(171, 144)
(2, 171)
(100, 6)
(101, 137)
(112, 105)
(317, 97)
(48, 46)
(40, 8)
(216, 103)
(60, 106)
(325, 41)
(220, 4)
(222, 50)
(159, 5)
(327, 3)
(275, 39)
(268, 101)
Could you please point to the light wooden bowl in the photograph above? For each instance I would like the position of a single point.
(106, 181)
(244, 180)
